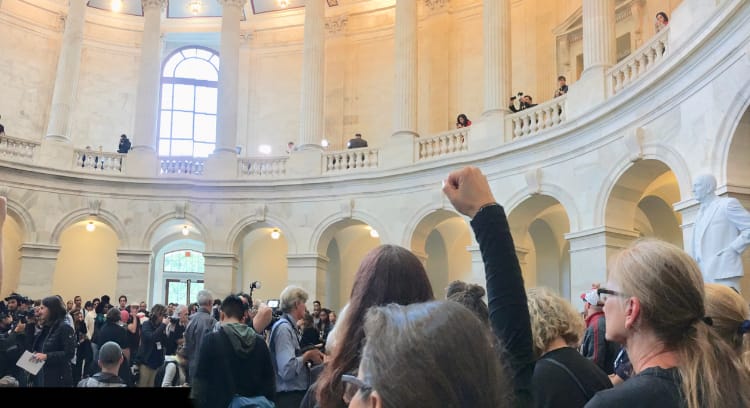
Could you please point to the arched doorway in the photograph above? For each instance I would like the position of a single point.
(262, 250)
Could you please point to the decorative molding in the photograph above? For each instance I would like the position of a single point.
(246, 36)
(161, 4)
(95, 206)
(332, 3)
(336, 24)
(235, 3)
(347, 208)
(180, 209)
(622, 14)
(634, 143)
(435, 4)
(533, 181)
(260, 211)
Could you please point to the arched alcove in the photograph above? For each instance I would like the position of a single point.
(172, 236)
(87, 262)
(13, 238)
(641, 200)
(263, 258)
(440, 238)
(539, 225)
(738, 178)
(347, 243)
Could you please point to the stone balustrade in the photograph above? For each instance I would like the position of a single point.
(91, 160)
(182, 166)
(531, 121)
(451, 142)
(639, 62)
(350, 160)
(17, 149)
(263, 166)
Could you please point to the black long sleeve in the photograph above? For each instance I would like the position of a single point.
(506, 295)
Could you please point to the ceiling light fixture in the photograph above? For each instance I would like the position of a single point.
(90, 227)
(324, 143)
(116, 5)
(185, 230)
(195, 6)
(283, 3)
(275, 234)
(373, 232)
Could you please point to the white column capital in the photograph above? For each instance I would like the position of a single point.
(232, 3)
(151, 4)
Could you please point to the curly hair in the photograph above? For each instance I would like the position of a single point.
(552, 317)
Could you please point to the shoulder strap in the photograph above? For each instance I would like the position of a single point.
(570, 373)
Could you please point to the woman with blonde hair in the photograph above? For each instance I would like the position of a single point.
(562, 376)
(654, 303)
(730, 316)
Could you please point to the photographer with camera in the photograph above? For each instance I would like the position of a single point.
(524, 102)
(290, 364)
(563, 89)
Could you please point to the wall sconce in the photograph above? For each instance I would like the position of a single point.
(275, 234)
(195, 6)
(185, 230)
(324, 143)
(90, 227)
(373, 232)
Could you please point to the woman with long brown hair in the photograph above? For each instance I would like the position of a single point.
(55, 345)
(388, 274)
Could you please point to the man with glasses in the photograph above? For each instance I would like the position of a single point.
(595, 346)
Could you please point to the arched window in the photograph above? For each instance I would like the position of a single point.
(189, 86)
(183, 276)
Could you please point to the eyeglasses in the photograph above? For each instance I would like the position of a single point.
(352, 385)
(605, 293)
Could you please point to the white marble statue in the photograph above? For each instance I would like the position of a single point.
(720, 234)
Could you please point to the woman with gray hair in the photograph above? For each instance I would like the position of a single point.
(409, 342)
(562, 376)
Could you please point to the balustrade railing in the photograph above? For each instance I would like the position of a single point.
(454, 141)
(639, 62)
(349, 160)
(91, 160)
(17, 149)
(263, 166)
(182, 165)
(544, 116)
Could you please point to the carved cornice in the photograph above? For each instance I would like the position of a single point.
(434, 5)
(232, 3)
(336, 24)
(161, 4)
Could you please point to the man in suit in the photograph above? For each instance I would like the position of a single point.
(720, 234)
(356, 142)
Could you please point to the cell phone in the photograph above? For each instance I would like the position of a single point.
(273, 303)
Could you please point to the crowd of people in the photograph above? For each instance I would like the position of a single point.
(664, 337)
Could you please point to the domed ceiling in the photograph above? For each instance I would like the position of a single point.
(199, 8)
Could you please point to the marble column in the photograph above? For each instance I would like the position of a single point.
(598, 34)
(143, 159)
(309, 271)
(66, 80)
(38, 265)
(405, 85)
(221, 271)
(312, 119)
(497, 56)
(223, 162)
(133, 273)
(590, 251)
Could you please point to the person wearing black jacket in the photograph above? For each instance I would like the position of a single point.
(153, 341)
(124, 145)
(232, 361)
(55, 345)
(469, 192)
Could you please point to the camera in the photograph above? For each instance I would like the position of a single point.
(174, 320)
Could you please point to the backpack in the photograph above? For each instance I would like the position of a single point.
(159, 377)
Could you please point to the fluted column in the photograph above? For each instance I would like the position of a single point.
(497, 55)
(405, 85)
(143, 159)
(598, 33)
(226, 120)
(312, 120)
(223, 162)
(66, 80)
